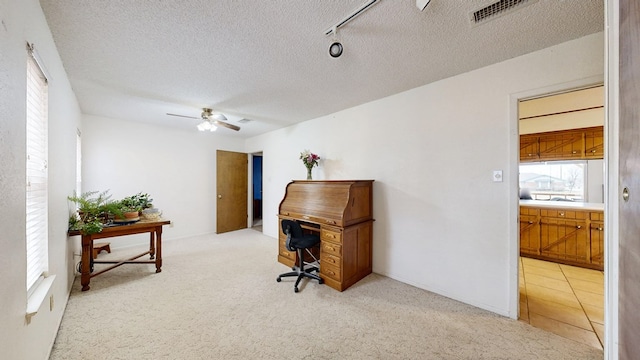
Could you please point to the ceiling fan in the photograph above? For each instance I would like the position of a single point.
(210, 119)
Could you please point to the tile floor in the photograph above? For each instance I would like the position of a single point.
(563, 299)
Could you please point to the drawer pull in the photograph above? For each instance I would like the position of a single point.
(306, 217)
(599, 228)
(561, 214)
(530, 222)
(578, 227)
(574, 152)
(332, 222)
(329, 248)
(330, 272)
(330, 261)
(593, 151)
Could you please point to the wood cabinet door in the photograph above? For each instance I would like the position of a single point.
(529, 232)
(529, 148)
(597, 243)
(565, 239)
(561, 145)
(594, 143)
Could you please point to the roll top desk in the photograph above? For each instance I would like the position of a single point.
(341, 212)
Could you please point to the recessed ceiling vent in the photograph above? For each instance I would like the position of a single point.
(244, 121)
(498, 9)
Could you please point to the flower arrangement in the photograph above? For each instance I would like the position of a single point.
(309, 160)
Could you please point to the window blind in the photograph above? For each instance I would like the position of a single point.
(37, 173)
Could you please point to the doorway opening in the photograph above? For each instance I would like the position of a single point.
(561, 213)
(256, 186)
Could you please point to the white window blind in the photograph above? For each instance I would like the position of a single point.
(78, 162)
(37, 173)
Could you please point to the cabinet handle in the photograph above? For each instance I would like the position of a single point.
(593, 151)
(530, 222)
(574, 152)
(330, 272)
(561, 214)
(530, 154)
(329, 248)
(599, 228)
(578, 227)
(330, 261)
(332, 222)
(306, 217)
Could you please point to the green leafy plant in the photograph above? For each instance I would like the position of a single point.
(93, 211)
(137, 202)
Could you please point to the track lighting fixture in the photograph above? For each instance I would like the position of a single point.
(335, 49)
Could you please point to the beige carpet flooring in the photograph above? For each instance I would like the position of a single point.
(217, 298)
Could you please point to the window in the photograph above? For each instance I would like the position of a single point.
(37, 173)
(78, 162)
(555, 180)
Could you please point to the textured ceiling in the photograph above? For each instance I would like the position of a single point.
(268, 60)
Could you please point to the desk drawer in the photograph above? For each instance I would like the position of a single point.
(330, 259)
(286, 253)
(330, 271)
(330, 248)
(331, 235)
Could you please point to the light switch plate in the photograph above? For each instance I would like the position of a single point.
(497, 175)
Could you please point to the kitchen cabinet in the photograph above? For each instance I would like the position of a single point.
(564, 235)
(529, 231)
(596, 233)
(594, 143)
(572, 144)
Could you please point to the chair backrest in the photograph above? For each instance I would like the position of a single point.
(292, 228)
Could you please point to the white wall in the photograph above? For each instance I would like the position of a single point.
(23, 21)
(177, 168)
(441, 223)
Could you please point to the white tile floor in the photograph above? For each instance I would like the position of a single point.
(563, 299)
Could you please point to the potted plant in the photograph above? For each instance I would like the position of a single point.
(137, 202)
(93, 211)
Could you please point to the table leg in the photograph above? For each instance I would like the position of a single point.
(152, 248)
(85, 262)
(158, 249)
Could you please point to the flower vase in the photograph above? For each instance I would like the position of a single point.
(309, 173)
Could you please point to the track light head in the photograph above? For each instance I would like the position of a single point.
(335, 49)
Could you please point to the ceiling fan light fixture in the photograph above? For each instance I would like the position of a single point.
(206, 125)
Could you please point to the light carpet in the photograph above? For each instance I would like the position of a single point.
(217, 298)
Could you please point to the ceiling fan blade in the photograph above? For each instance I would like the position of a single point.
(184, 116)
(227, 125)
(218, 116)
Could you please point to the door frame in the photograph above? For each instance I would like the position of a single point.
(514, 161)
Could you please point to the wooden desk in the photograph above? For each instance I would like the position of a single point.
(341, 211)
(154, 228)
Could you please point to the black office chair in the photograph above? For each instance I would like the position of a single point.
(298, 241)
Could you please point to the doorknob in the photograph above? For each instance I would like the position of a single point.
(625, 194)
(219, 196)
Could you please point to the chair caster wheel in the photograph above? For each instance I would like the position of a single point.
(295, 289)
(321, 281)
(278, 279)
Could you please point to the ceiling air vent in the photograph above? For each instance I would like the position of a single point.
(244, 121)
(497, 9)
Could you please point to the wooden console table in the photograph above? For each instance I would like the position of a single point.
(154, 228)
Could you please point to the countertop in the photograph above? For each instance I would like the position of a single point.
(562, 205)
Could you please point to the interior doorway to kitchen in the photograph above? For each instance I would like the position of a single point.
(561, 213)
